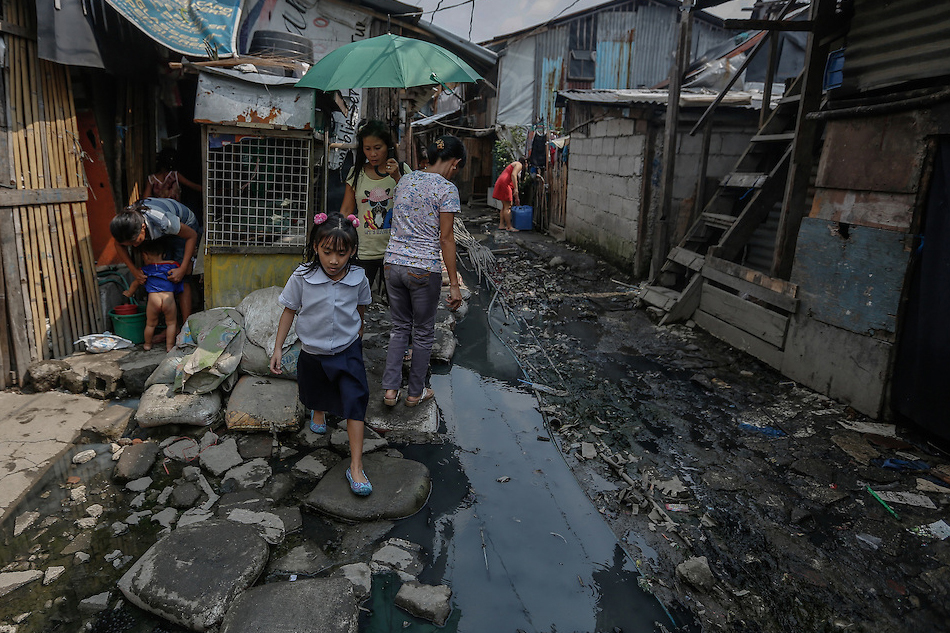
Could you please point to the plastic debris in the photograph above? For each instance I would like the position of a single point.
(101, 343)
(938, 529)
(503, 480)
(884, 503)
(872, 541)
(677, 507)
(900, 464)
(765, 430)
(909, 499)
(544, 388)
(887, 430)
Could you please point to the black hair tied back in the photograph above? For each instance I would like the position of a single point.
(447, 147)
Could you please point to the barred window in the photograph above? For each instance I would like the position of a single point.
(258, 188)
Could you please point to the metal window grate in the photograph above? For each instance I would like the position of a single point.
(258, 190)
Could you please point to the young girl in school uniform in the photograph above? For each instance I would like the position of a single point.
(329, 296)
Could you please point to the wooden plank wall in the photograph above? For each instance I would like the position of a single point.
(48, 264)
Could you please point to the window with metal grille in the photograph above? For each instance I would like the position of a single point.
(582, 43)
(258, 189)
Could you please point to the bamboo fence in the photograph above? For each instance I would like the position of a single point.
(48, 263)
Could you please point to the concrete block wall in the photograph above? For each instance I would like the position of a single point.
(604, 189)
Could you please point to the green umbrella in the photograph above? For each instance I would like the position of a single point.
(387, 61)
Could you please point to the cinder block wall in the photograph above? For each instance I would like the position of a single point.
(606, 193)
(604, 188)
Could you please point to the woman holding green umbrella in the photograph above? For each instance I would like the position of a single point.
(422, 239)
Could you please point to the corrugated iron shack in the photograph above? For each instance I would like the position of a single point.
(622, 44)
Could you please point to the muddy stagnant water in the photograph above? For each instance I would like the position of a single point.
(510, 529)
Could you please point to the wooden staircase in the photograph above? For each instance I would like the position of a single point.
(740, 205)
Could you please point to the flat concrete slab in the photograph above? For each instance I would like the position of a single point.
(257, 403)
(423, 417)
(34, 431)
(317, 605)
(400, 489)
(192, 576)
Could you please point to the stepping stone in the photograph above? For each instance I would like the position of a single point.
(191, 576)
(257, 403)
(400, 489)
(317, 605)
(423, 417)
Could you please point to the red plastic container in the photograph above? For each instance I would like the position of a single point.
(126, 308)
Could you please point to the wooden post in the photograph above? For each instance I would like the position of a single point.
(661, 238)
(803, 146)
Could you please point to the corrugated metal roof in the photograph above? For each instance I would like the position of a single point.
(895, 42)
(645, 97)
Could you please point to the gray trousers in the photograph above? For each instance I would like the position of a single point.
(413, 301)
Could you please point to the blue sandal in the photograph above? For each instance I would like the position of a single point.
(319, 429)
(361, 489)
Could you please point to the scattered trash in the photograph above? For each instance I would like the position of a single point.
(887, 430)
(938, 529)
(872, 541)
(883, 503)
(900, 464)
(722, 384)
(84, 456)
(932, 484)
(765, 430)
(503, 480)
(544, 388)
(559, 536)
(101, 343)
(677, 507)
(909, 499)
(596, 430)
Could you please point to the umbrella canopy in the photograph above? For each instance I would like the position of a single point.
(387, 61)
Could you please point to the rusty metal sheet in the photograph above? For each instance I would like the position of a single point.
(892, 211)
(875, 154)
(222, 99)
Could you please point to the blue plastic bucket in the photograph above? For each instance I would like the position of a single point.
(522, 217)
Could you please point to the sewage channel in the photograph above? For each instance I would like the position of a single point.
(507, 526)
(511, 531)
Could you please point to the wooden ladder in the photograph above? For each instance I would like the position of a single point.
(741, 203)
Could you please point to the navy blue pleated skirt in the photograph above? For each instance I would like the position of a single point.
(335, 383)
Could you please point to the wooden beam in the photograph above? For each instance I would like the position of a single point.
(661, 236)
(13, 292)
(769, 25)
(28, 197)
(19, 31)
(757, 320)
(803, 147)
(775, 292)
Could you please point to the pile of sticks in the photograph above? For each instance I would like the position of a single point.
(49, 276)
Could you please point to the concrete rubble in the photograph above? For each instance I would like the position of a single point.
(219, 479)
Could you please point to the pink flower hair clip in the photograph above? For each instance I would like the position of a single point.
(353, 220)
(320, 218)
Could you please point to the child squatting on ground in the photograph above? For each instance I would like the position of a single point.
(329, 295)
(161, 291)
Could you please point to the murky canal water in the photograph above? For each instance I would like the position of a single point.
(523, 548)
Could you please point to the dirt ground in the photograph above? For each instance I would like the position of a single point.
(743, 496)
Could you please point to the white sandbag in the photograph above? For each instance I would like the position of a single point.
(261, 315)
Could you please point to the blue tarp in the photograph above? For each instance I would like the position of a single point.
(193, 28)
